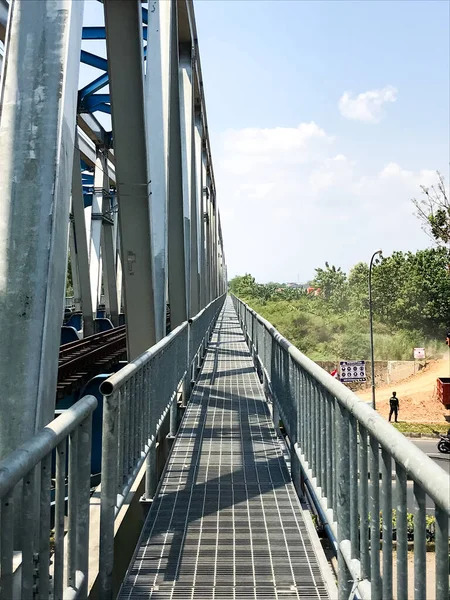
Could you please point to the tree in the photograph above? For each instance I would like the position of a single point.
(243, 285)
(358, 287)
(412, 290)
(333, 284)
(433, 210)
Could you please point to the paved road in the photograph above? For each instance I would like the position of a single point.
(430, 447)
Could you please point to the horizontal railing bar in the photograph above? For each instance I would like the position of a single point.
(201, 313)
(118, 379)
(422, 469)
(17, 464)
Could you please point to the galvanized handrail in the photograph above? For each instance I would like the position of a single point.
(25, 486)
(335, 441)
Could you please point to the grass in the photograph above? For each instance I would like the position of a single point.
(423, 428)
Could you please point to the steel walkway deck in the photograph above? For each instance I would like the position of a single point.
(226, 523)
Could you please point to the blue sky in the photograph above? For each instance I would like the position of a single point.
(324, 118)
(338, 187)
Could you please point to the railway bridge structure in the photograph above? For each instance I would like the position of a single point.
(158, 438)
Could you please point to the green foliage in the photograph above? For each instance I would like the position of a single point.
(412, 291)
(411, 305)
(430, 429)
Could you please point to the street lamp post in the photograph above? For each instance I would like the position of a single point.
(371, 328)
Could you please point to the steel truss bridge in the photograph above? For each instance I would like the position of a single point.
(215, 438)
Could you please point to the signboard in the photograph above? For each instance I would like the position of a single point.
(352, 370)
(419, 353)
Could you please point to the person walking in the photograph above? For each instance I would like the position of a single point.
(394, 404)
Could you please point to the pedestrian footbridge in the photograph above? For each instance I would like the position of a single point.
(162, 440)
(226, 521)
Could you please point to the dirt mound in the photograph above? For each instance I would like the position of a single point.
(417, 395)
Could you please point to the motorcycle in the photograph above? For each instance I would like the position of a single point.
(444, 444)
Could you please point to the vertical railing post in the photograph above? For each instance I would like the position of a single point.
(84, 487)
(108, 493)
(386, 508)
(353, 444)
(343, 499)
(364, 504)
(374, 506)
(420, 559)
(442, 557)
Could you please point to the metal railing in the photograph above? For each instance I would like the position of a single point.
(25, 517)
(336, 440)
(200, 331)
(136, 401)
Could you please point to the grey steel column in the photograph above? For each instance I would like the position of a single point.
(197, 218)
(119, 268)
(126, 82)
(37, 136)
(178, 206)
(109, 266)
(95, 261)
(206, 245)
(81, 245)
(109, 271)
(73, 257)
(157, 101)
(188, 170)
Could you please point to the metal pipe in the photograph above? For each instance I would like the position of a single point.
(442, 581)
(44, 527)
(72, 507)
(386, 508)
(343, 499)
(28, 524)
(60, 499)
(402, 533)
(353, 459)
(84, 486)
(16, 465)
(364, 503)
(420, 545)
(6, 547)
(108, 494)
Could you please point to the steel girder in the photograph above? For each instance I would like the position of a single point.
(142, 194)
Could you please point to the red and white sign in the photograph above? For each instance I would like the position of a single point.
(419, 353)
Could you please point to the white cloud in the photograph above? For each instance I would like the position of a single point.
(368, 106)
(285, 145)
(288, 207)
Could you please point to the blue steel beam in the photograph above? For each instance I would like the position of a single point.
(99, 33)
(96, 102)
(93, 60)
(93, 87)
(97, 84)
(94, 33)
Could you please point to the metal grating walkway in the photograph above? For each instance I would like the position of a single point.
(226, 523)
